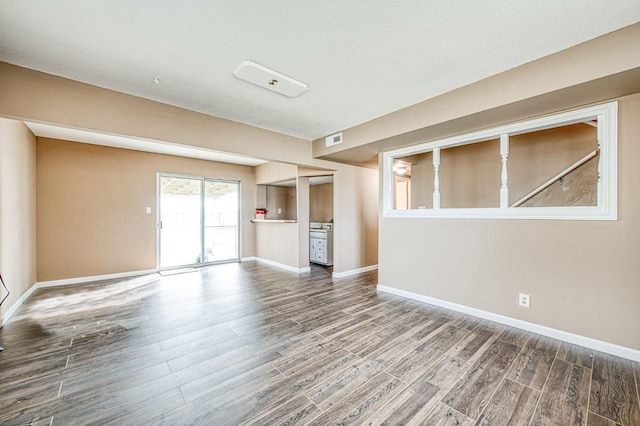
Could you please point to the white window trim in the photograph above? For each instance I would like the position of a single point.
(607, 202)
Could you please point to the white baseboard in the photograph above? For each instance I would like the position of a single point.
(283, 266)
(68, 281)
(576, 339)
(12, 310)
(354, 271)
(248, 259)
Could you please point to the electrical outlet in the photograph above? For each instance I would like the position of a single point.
(524, 300)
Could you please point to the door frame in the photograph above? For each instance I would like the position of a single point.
(202, 179)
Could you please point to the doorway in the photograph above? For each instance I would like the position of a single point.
(321, 220)
(198, 221)
(402, 200)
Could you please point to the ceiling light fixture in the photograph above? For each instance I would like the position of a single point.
(156, 80)
(269, 79)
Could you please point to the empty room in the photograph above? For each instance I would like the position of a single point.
(316, 213)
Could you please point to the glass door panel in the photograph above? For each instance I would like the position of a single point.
(180, 221)
(221, 221)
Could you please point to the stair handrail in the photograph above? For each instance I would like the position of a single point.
(560, 175)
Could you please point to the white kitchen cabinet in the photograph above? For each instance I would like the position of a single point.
(321, 247)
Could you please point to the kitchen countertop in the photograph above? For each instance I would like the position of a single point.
(274, 221)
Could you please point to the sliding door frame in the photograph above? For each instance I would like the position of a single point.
(238, 220)
(202, 179)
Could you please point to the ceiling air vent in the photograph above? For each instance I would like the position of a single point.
(270, 79)
(333, 139)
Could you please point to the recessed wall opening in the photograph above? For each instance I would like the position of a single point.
(558, 167)
(321, 220)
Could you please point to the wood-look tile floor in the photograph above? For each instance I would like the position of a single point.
(246, 344)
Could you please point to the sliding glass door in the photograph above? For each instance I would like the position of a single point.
(180, 221)
(221, 220)
(198, 221)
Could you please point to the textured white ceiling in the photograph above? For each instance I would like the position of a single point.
(361, 59)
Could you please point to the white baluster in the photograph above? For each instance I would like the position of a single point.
(504, 154)
(436, 178)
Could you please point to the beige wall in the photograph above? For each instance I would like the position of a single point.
(599, 69)
(582, 275)
(422, 180)
(577, 188)
(470, 175)
(321, 202)
(28, 94)
(273, 172)
(355, 236)
(278, 242)
(302, 201)
(91, 202)
(309, 171)
(40, 97)
(535, 157)
(17, 209)
(283, 198)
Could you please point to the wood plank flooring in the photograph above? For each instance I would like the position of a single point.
(247, 344)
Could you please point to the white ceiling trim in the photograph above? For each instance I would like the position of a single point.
(157, 147)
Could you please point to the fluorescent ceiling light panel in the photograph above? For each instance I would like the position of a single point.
(270, 79)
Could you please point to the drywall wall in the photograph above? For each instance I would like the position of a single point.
(302, 206)
(312, 171)
(91, 206)
(355, 236)
(470, 175)
(535, 157)
(286, 243)
(582, 275)
(321, 202)
(422, 180)
(273, 172)
(278, 242)
(578, 188)
(17, 209)
(74, 104)
(34, 96)
(281, 202)
(537, 87)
